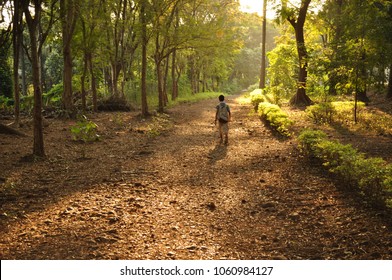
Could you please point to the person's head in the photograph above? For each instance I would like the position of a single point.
(221, 98)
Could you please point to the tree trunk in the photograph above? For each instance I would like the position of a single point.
(174, 76)
(82, 80)
(160, 87)
(166, 74)
(93, 81)
(32, 23)
(144, 60)
(389, 93)
(17, 19)
(300, 98)
(68, 20)
(263, 58)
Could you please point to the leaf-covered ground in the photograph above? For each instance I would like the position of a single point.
(165, 189)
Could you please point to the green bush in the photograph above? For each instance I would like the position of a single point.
(54, 95)
(328, 112)
(274, 115)
(257, 96)
(309, 140)
(372, 176)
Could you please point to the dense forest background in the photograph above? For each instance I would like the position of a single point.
(68, 56)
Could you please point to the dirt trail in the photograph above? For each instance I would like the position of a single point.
(181, 195)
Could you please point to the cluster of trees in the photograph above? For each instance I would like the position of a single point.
(342, 47)
(135, 49)
(125, 48)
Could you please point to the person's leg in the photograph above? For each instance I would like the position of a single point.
(226, 132)
(221, 132)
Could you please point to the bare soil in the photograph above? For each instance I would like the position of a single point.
(164, 188)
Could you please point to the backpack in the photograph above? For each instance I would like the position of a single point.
(223, 113)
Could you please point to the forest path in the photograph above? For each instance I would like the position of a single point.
(181, 195)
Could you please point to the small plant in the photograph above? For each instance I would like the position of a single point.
(85, 130)
(159, 124)
(274, 115)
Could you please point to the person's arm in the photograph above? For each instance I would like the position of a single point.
(216, 115)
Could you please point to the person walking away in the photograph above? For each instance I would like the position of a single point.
(223, 117)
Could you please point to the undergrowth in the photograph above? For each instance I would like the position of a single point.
(371, 177)
(274, 115)
(342, 113)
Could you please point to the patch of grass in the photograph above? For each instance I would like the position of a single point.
(342, 113)
(192, 98)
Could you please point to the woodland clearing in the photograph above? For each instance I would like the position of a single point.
(164, 188)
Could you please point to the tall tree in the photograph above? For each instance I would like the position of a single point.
(33, 17)
(17, 43)
(296, 17)
(263, 46)
(90, 21)
(144, 39)
(68, 13)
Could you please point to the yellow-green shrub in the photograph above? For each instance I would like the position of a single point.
(257, 96)
(328, 112)
(274, 115)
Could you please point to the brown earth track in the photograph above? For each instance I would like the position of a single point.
(179, 195)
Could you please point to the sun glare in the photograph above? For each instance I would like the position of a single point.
(255, 6)
(252, 6)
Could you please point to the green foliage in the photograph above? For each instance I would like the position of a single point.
(309, 140)
(53, 96)
(85, 131)
(258, 95)
(274, 115)
(329, 112)
(5, 73)
(282, 70)
(6, 103)
(371, 176)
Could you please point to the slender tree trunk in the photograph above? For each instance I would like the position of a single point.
(164, 83)
(161, 104)
(264, 36)
(68, 19)
(93, 81)
(389, 93)
(82, 81)
(144, 60)
(16, 33)
(333, 77)
(23, 65)
(38, 145)
(174, 78)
